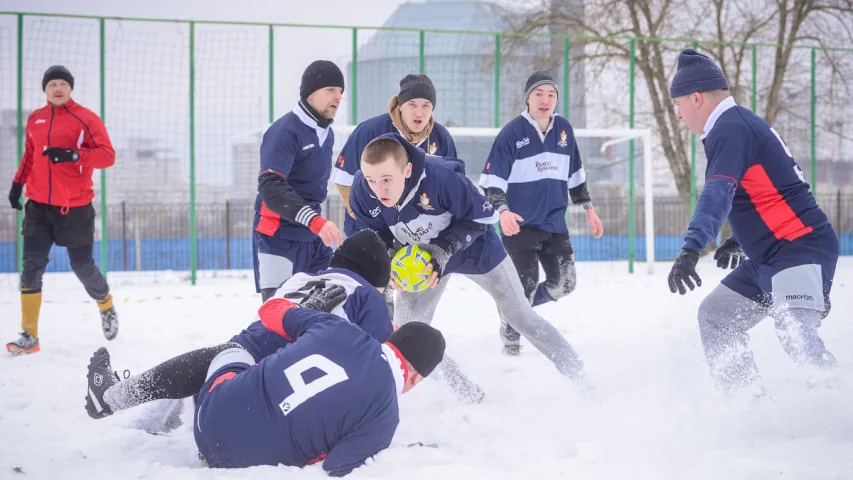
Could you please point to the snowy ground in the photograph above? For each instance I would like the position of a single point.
(658, 417)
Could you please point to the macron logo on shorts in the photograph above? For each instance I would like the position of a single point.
(805, 297)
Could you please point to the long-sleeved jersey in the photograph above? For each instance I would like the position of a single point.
(534, 174)
(330, 396)
(440, 206)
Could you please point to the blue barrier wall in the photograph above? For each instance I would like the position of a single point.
(174, 254)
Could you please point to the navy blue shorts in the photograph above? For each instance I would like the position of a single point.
(276, 259)
(798, 276)
(227, 405)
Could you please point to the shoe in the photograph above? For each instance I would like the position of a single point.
(511, 339)
(109, 323)
(473, 396)
(100, 378)
(511, 350)
(23, 345)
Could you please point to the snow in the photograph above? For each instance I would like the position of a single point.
(657, 415)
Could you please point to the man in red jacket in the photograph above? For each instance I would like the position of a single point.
(65, 143)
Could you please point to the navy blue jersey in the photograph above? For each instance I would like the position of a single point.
(300, 151)
(439, 142)
(538, 171)
(439, 203)
(330, 396)
(364, 306)
(753, 178)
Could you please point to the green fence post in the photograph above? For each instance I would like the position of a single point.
(272, 74)
(104, 235)
(19, 214)
(813, 124)
(193, 246)
(497, 123)
(631, 250)
(693, 163)
(566, 83)
(754, 79)
(421, 49)
(354, 109)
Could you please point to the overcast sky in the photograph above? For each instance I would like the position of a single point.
(337, 12)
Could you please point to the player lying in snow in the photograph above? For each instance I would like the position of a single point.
(360, 265)
(425, 200)
(251, 414)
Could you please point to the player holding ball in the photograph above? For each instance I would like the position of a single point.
(428, 202)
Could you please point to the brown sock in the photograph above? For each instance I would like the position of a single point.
(30, 307)
(105, 303)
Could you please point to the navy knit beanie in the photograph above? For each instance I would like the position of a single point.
(537, 79)
(696, 73)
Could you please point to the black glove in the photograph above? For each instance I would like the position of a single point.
(61, 155)
(15, 195)
(729, 253)
(325, 299)
(440, 257)
(683, 270)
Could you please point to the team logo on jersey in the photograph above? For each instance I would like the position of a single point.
(308, 147)
(375, 212)
(432, 148)
(524, 141)
(424, 202)
(41, 120)
(563, 139)
(341, 161)
(487, 206)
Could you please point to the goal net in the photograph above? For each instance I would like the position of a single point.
(620, 181)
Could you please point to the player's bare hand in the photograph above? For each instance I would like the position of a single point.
(595, 223)
(331, 235)
(509, 223)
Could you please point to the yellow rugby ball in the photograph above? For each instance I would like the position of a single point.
(408, 268)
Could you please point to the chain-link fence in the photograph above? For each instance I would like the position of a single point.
(180, 100)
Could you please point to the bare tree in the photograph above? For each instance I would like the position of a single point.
(727, 25)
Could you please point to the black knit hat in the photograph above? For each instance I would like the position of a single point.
(420, 344)
(696, 73)
(364, 253)
(320, 74)
(537, 80)
(416, 86)
(57, 72)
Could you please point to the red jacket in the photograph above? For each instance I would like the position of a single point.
(69, 126)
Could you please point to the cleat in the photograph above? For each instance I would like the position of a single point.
(109, 323)
(100, 378)
(25, 344)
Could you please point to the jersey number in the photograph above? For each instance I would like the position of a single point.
(797, 169)
(334, 374)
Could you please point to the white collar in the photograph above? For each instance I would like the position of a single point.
(322, 133)
(398, 367)
(535, 124)
(727, 103)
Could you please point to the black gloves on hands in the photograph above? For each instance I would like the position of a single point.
(325, 299)
(440, 257)
(61, 155)
(684, 272)
(15, 196)
(729, 253)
